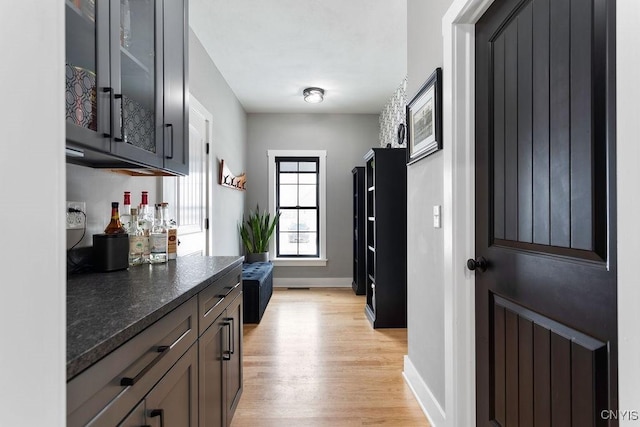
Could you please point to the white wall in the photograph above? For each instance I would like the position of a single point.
(346, 138)
(229, 143)
(628, 175)
(32, 172)
(98, 188)
(425, 244)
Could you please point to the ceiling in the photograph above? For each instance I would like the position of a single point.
(268, 51)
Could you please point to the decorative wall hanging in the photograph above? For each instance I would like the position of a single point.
(424, 119)
(227, 179)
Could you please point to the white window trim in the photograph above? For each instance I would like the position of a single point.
(322, 190)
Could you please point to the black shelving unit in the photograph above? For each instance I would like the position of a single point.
(386, 237)
(359, 282)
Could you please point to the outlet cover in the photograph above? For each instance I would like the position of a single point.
(76, 220)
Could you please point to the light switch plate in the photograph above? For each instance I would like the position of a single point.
(76, 220)
(436, 216)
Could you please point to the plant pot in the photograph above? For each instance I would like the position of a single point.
(259, 257)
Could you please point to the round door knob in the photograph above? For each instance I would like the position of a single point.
(477, 264)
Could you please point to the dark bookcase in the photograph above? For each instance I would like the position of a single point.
(386, 237)
(359, 282)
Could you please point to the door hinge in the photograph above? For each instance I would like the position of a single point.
(206, 223)
(206, 148)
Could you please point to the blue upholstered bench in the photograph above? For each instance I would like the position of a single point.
(257, 287)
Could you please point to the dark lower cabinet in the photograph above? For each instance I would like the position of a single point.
(212, 374)
(220, 348)
(183, 370)
(174, 400)
(234, 357)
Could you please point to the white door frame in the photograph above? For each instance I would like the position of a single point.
(458, 28)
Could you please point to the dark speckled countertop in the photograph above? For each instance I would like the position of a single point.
(104, 310)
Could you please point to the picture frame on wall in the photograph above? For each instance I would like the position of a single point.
(424, 119)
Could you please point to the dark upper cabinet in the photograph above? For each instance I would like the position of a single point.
(126, 86)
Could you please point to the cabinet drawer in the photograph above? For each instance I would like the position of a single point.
(213, 300)
(105, 393)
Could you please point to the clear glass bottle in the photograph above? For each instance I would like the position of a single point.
(145, 216)
(138, 242)
(125, 216)
(114, 226)
(158, 238)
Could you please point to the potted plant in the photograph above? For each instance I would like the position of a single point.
(256, 231)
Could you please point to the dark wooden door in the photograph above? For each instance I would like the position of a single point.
(546, 330)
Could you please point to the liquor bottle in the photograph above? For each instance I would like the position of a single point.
(172, 233)
(138, 242)
(145, 216)
(158, 237)
(114, 226)
(125, 216)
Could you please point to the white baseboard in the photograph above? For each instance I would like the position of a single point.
(425, 398)
(312, 282)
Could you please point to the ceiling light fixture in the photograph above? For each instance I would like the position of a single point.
(313, 95)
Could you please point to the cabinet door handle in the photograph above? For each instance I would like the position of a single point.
(226, 354)
(109, 90)
(170, 126)
(121, 136)
(158, 413)
(232, 339)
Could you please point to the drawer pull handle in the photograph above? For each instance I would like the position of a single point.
(231, 288)
(158, 413)
(221, 298)
(163, 350)
(128, 381)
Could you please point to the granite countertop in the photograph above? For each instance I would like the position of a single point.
(104, 310)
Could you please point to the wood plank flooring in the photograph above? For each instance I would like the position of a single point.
(314, 360)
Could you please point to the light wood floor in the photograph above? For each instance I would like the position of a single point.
(314, 360)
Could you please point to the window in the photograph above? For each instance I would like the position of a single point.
(297, 190)
(297, 201)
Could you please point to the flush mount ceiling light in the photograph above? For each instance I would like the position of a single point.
(313, 95)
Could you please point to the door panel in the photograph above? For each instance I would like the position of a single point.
(546, 305)
(191, 192)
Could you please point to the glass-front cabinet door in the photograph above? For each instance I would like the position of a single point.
(87, 96)
(136, 70)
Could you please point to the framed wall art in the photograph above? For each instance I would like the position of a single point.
(424, 119)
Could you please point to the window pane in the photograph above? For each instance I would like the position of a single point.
(307, 244)
(289, 178)
(308, 195)
(288, 166)
(308, 220)
(288, 195)
(308, 166)
(288, 244)
(288, 219)
(308, 178)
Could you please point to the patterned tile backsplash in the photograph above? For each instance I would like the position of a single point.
(392, 115)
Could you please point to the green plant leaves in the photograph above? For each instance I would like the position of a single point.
(256, 231)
